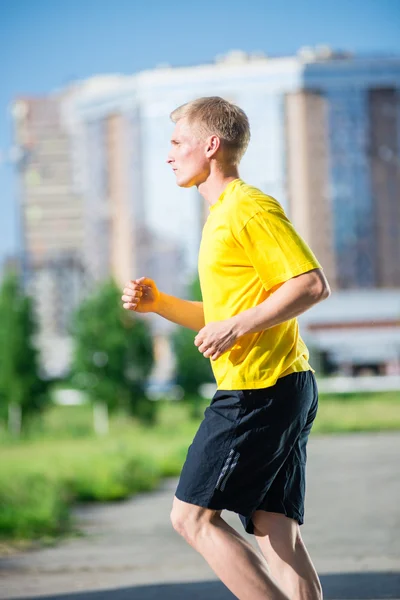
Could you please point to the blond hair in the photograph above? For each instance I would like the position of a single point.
(213, 115)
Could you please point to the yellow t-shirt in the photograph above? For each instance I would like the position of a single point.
(249, 247)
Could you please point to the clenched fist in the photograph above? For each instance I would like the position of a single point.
(141, 295)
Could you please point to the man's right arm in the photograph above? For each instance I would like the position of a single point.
(142, 296)
(187, 313)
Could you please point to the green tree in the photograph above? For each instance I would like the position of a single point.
(192, 369)
(113, 356)
(23, 392)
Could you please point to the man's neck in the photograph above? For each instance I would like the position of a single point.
(212, 188)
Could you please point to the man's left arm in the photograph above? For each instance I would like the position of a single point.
(290, 299)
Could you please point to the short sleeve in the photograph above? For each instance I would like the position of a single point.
(275, 249)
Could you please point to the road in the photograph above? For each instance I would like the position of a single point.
(130, 551)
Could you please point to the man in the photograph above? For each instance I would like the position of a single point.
(249, 453)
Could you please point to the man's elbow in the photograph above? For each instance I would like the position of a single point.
(319, 288)
(326, 292)
(323, 290)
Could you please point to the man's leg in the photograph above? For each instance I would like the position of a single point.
(239, 566)
(280, 541)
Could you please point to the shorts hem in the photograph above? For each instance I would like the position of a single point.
(212, 504)
(248, 525)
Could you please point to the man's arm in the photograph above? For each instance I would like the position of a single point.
(143, 296)
(291, 299)
(183, 312)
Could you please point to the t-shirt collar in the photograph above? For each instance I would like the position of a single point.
(230, 185)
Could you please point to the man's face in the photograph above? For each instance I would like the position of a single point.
(187, 156)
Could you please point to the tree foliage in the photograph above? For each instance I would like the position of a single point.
(21, 385)
(113, 353)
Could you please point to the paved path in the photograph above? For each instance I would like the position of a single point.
(130, 551)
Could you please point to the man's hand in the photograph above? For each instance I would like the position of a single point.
(141, 295)
(216, 338)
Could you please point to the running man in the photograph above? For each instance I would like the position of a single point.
(249, 453)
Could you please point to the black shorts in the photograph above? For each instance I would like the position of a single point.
(249, 452)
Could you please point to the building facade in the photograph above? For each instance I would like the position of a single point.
(51, 217)
(325, 143)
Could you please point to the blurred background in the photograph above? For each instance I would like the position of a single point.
(88, 202)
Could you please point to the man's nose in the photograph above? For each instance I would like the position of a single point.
(169, 159)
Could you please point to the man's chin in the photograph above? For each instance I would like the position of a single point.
(184, 183)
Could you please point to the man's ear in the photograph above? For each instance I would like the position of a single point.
(213, 144)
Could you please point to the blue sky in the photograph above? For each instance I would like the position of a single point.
(44, 44)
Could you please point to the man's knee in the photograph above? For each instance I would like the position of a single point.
(190, 520)
(179, 520)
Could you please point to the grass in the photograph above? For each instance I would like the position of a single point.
(342, 413)
(59, 461)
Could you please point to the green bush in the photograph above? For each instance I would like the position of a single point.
(114, 478)
(32, 505)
